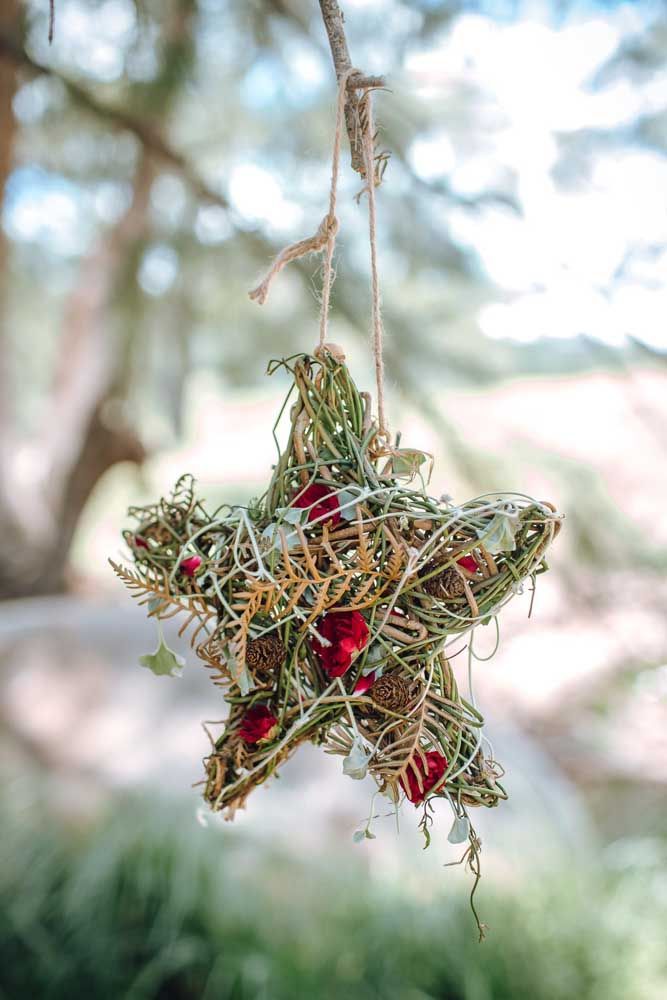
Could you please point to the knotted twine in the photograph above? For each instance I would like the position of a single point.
(324, 240)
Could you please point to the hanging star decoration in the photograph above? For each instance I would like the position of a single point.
(326, 610)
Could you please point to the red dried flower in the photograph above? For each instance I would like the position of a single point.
(364, 683)
(431, 769)
(348, 634)
(324, 502)
(140, 542)
(259, 725)
(467, 562)
(190, 565)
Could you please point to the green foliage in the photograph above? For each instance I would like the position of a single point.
(149, 905)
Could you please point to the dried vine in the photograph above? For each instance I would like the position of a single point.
(326, 609)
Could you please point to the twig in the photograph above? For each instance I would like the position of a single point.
(334, 24)
(150, 139)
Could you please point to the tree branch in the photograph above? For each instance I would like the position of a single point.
(334, 24)
(149, 138)
(398, 153)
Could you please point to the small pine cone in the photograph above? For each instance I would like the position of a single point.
(445, 585)
(392, 691)
(265, 654)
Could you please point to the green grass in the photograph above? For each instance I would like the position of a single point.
(142, 905)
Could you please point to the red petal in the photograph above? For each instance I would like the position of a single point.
(257, 724)
(467, 562)
(336, 663)
(364, 683)
(432, 770)
(347, 633)
(191, 565)
(324, 500)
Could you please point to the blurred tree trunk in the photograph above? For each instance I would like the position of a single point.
(88, 430)
(87, 433)
(9, 16)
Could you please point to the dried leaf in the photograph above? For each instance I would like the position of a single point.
(355, 764)
(405, 462)
(271, 538)
(164, 661)
(499, 536)
(460, 830)
(348, 500)
(364, 834)
(292, 515)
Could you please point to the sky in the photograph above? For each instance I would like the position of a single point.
(585, 257)
(558, 262)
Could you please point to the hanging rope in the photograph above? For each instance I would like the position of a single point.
(325, 237)
(324, 240)
(368, 145)
(327, 274)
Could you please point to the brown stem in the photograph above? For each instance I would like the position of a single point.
(334, 24)
(150, 138)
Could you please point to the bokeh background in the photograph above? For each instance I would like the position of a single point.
(152, 159)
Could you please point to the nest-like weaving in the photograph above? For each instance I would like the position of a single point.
(325, 609)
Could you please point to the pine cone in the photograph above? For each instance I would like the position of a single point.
(447, 584)
(392, 691)
(265, 654)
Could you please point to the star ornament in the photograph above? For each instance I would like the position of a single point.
(327, 609)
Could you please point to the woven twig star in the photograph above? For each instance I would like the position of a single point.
(326, 610)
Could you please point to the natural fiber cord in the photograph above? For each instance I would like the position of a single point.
(324, 240)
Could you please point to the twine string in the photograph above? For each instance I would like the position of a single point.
(368, 146)
(325, 237)
(324, 240)
(328, 273)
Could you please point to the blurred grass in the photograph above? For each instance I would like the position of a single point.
(145, 904)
